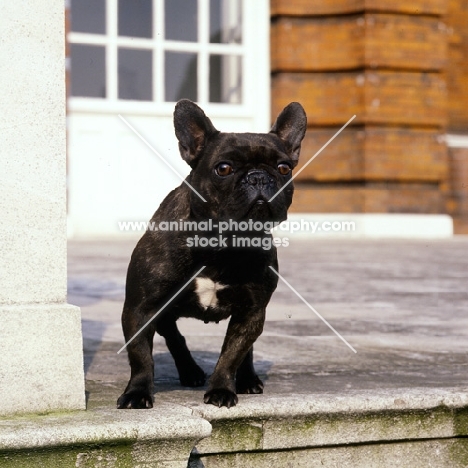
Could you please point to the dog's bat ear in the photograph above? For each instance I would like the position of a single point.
(192, 129)
(290, 127)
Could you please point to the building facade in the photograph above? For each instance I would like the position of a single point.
(400, 67)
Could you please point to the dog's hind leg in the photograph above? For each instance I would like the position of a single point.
(247, 380)
(190, 373)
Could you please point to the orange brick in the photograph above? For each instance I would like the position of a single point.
(376, 97)
(376, 198)
(351, 42)
(330, 7)
(374, 154)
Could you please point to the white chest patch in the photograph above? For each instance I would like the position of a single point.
(206, 290)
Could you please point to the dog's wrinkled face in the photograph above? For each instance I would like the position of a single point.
(242, 177)
(239, 173)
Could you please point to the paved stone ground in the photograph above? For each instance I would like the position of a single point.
(403, 305)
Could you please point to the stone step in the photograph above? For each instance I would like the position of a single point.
(418, 427)
(162, 437)
(405, 428)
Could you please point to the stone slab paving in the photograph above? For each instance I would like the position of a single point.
(401, 400)
(403, 305)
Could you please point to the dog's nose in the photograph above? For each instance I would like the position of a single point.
(257, 177)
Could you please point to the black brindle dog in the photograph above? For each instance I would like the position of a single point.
(237, 174)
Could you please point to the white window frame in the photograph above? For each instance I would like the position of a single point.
(254, 50)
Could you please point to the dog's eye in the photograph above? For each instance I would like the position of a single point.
(284, 169)
(224, 169)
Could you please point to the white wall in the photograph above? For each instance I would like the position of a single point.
(113, 176)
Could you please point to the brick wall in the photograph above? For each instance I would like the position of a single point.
(457, 76)
(457, 200)
(457, 81)
(383, 61)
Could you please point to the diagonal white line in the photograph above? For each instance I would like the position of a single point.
(313, 310)
(312, 158)
(160, 310)
(158, 155)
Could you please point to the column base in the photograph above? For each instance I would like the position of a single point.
(42, 359)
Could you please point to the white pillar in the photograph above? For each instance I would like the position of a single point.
(41, 358)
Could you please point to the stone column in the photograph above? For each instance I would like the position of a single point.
(41, 366)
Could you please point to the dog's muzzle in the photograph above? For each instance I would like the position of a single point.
(259, 178)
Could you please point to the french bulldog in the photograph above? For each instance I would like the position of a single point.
(233, 178)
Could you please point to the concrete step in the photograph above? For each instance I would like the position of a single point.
(162, 437)
(417, 427)
(400, 401)
(397, 428)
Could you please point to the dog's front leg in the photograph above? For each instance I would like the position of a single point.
(139, 391)
(241, 334)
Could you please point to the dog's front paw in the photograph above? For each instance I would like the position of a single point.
(221, 397)
(192, 377)
(249, 385)
(136, 399)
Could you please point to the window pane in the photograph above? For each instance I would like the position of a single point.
(226, 21)
(181, 20)
(88, 16)
(226, 79)
(136, 18)
(135, 74)
(88, 71)
(180, 76)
